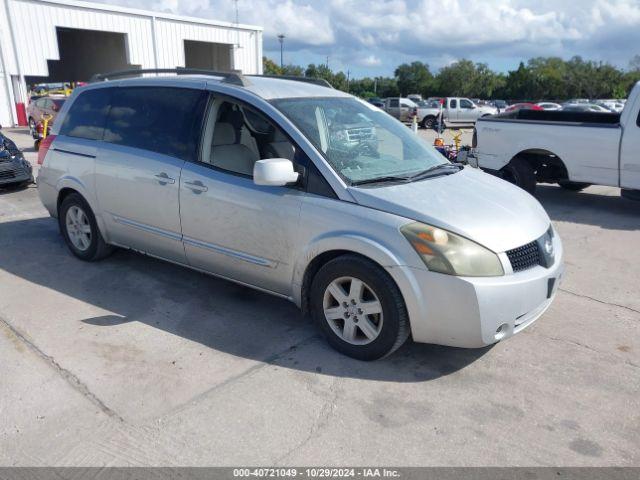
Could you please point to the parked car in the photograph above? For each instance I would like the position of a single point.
(574, 148)
(458, 110)
(551, 106)
(378, 102)
(500, 105)
(14, 168)
(245, 183)
(523, 106)
(584, 107)
(612, 105)
(37, 109)
(404, 109)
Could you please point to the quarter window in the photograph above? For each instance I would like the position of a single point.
(394, 103)
(453, 103)
(87, 116)
(158, 119)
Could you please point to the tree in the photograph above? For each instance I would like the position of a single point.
(269, 67)
(414, 78)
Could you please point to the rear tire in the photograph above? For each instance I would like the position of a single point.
(80, 230)
(341, 294)
(573, 186)
(520, 173)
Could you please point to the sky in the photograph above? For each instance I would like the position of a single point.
(372, 37)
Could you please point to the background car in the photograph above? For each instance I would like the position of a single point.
(14, 168)
(501, 105)
(48, 105)
(523, 106)
(549, 106)
(377, 101)
(584, 107)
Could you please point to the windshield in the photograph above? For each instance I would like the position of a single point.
(361, 142)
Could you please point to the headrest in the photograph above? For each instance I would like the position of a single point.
(235, 118)
(278, 136)
(223, 134)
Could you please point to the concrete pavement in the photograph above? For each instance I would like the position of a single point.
(132, 361)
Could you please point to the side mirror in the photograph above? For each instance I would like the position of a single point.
(275, 172)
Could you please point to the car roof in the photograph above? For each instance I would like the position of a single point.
(268, 88)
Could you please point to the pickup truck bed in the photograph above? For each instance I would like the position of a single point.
(558, 117)
(573, 149)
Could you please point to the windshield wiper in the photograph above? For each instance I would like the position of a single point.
(385, 179)
(436, 170)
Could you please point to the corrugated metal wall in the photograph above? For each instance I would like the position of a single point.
(34, 25)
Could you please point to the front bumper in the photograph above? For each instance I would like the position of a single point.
(16, 170)
(473, 312)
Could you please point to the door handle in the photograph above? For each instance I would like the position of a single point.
(163, 179)
(196, 187)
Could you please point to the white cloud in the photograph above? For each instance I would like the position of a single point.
(375, 33)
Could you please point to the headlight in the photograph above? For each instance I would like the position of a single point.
(448, 253)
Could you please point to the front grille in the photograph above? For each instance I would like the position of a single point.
(525, 257)
(7, 174)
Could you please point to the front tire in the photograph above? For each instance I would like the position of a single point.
(429, 122)
(520, 173)
(80, 230)
(359, 308)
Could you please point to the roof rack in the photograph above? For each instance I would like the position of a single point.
(316, 81)
(234, 78)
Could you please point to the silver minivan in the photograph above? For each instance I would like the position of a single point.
(304, 192)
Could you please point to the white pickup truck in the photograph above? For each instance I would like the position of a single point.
(573, 149)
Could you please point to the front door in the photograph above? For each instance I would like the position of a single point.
(150, 133)
(232, 227)
(467, 111)
(452, 110)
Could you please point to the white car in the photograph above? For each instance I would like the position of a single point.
(573, 147)
(549, 106)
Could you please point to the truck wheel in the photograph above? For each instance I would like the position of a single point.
(359, 308)
(80, 230)
(573, 186)
(520, 173)
(428, 122)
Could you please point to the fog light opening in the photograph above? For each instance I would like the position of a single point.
(501, 331)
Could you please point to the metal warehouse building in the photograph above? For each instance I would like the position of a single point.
(49, 41)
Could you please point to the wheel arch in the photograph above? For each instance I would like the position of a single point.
(68, 186)
(547, 164)
(324, 250)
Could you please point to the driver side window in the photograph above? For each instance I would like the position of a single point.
(465, 104)
(237, 136)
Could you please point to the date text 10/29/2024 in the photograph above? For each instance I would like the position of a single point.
(316, 472)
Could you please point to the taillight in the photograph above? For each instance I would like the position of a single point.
(44, 148)
(474, 139)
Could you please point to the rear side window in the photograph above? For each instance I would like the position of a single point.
(158, 119)
(88, 114)
(453, 104)
(394, 102)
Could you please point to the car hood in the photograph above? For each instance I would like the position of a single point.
(476, 205)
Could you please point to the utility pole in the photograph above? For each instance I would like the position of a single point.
(348, 79)
(281, 38)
